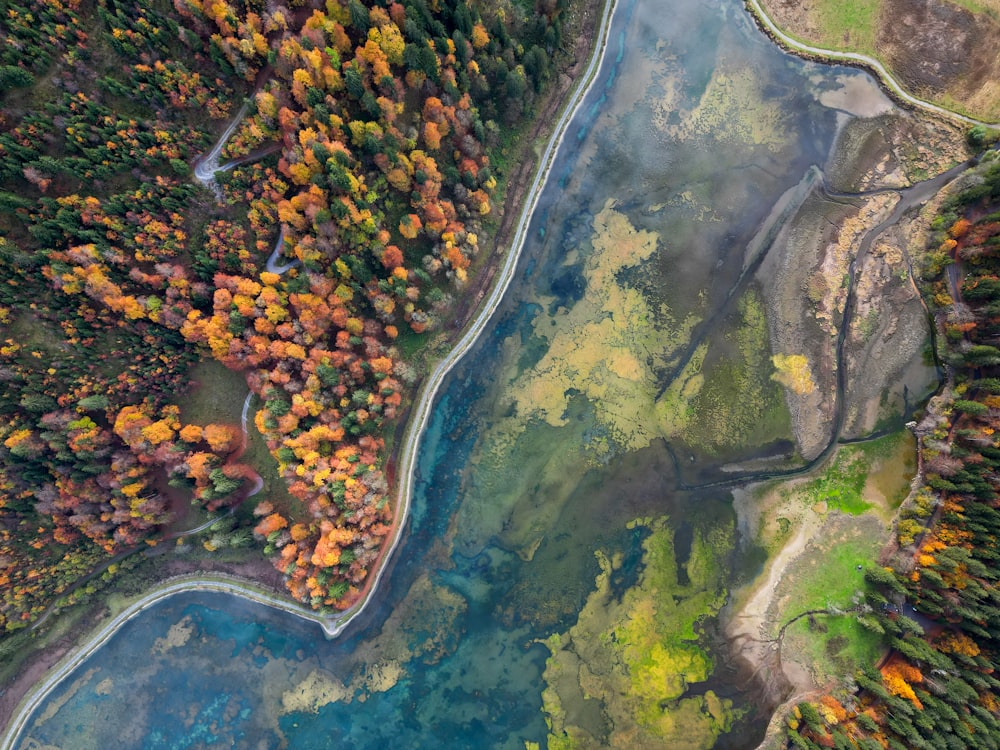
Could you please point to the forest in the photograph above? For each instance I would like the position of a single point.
(370, 151)
(937, 603)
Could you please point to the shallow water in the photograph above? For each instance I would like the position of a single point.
(546, 444)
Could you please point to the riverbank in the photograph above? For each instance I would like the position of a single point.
(17, 702)
(861, 327)
(765, 21)
(496, 276)
(819, 532)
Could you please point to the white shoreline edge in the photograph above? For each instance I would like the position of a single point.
(333, 626)
(882, 73)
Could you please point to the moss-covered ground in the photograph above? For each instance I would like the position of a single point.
(848, 24)
(217, 395)
(830, 577)
(834, 520)
(861, 476)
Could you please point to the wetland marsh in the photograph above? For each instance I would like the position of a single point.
(555, 585)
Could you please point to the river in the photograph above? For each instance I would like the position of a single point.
(553, 585)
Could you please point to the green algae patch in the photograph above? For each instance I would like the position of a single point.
(425, 626)
(734, 109)
(178, 635)
(582, 393)
(600, 347)
(632, 660)
(725, 399)
(842, 483)
(588, 395)
(517, 485)
(315, 691)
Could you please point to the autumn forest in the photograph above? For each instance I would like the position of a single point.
(368, 156)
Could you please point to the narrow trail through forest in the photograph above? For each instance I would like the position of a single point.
(205, 173)
(208, 166)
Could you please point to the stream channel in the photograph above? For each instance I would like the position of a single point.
(553, 584)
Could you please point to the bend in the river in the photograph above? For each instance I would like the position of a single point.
(856, 58)
(169, 588)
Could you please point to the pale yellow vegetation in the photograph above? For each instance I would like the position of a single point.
(793, 372)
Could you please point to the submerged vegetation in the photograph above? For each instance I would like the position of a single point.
(727, 398)
(606, 345)
(636, 657)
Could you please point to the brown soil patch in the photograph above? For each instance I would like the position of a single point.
(793, 16)
(926, 43)
(937, 49)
